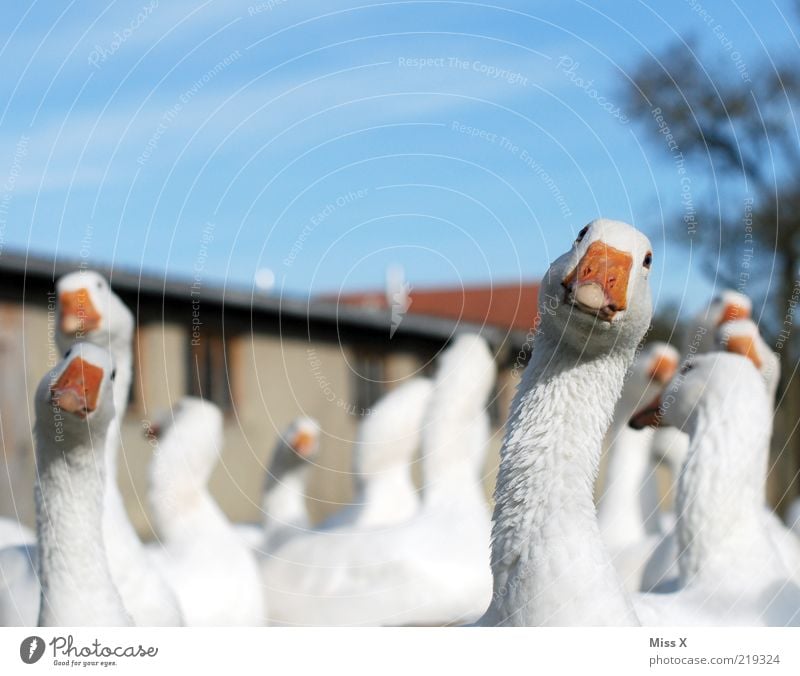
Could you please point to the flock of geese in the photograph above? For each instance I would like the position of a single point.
(549, 555)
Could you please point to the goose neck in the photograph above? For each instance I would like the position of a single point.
(74, 569)
(548, 560)
(720, 490)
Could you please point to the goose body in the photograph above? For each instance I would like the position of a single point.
(89, 309)
(74, 409)
(388, 438)
(549, 563)
(213, 573)
(429, 570)
(628, 510)
(12, 532)
(743, 337)
(731, 572)
(283, 502)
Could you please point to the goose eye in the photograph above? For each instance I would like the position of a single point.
(582, 234)
(114, 374)
(686, 368)
(648, 260)
(99, 285)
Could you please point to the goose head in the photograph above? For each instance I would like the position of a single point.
(302, 438)
(712, 381)
(89, 310)
(597, 294)
(76, 396)
(189, 439)
(653, 367)
(728, 306)
(741, 336)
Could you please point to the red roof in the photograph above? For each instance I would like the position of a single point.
(507, 306)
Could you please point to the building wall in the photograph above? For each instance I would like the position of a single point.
(275, 378)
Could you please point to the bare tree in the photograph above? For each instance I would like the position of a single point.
(734, 125)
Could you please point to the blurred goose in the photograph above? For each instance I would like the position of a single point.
(701, 331)
(743, 337)
(628, 510)
(388, 438)
(731, 571)
(12, 532)
(283, 502)
(549, 562)
(793, 516)
(212, 571)
(89, 309)
(74, 408)
(430, 570)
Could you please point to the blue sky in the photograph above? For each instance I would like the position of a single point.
(329, 140)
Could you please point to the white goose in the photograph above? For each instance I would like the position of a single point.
(430, 570)
(740, 336)
(793, 516)
(12, 532)
(700, 334)
(89, 309)
(743, 337)
(628, 510)
(212, 571)
(549, 563)
(74, 408)
(283, 501)
(388, 438)
(731, 571)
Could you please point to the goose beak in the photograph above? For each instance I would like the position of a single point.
(77, 388)
(663, 369)
(598, 285)
(733, 311)
(745, 346)
(78, 313)
(649, 416)
(304, 443)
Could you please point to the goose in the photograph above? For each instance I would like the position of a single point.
(387, 440)
(432, 569)
(12, 532)
(549, 563)
(212, 571)
(793, 516)
(283, 502)
(74, 409)
(731, 571)
(628, 509)
(700, 335)
(743, 337)
(739, 336)
(89, 309)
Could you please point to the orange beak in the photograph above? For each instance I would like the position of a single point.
(745, 346)
(304, 443)
(78, 313)
(649, 416)
(599, 283)
(663, 370)
(77, 388)
(733, 311)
